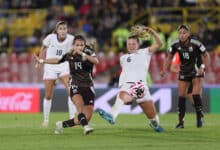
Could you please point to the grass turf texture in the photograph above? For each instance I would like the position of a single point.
(131, 132)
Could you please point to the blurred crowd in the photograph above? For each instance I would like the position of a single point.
(106, 22)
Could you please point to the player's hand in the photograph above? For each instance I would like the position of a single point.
(200, 72)
(37, 61)
(149, 30)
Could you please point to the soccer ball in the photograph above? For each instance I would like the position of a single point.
(137, 90)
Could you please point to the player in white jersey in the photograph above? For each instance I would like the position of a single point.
(132, 82)
(56, 45)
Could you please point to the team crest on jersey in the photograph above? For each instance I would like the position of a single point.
(129, 59)
(190, 49)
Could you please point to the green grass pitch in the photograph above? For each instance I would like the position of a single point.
(131, 132)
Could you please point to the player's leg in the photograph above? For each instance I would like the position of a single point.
(47, 102)
(84, 109)
(115, 110)
(182, 89)
(147, 105)
(189, 94)
(71, 106)
(150, 111)
(197, 84)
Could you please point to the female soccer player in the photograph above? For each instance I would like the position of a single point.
(81, 60)
(189, 51)
(56, 45)
(132, 82)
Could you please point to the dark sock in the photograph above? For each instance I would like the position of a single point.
(82, 119)
(181, 109)
(68, 123)
(198, 105)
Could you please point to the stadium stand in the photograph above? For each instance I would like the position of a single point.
(23, 25)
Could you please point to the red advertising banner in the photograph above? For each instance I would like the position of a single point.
(23, 100)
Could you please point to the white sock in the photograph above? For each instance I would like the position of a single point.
(46, 109)
(155, 121)
(72, 108)
(116, 107)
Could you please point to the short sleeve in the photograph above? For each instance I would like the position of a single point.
(63, 58)
(47, 40)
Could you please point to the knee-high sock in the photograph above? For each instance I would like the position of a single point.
(71, 108)
(198, 105)
(82, 119)
(116, 107)
(181, 108)
(46, 109)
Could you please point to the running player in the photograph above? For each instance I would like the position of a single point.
(81, 60)
(56, 45)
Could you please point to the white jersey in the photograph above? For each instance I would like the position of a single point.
(56, 49)
(135, 66)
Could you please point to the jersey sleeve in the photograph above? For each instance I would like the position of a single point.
(63, 58)
(202, 48)
(172, 49)
(122, 58)
(47, 40)
(89, 51)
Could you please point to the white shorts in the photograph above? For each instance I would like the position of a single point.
(147, 97)
(55, 71)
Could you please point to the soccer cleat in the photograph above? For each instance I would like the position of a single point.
(59, 127)
(45, 124)
(159, 129)
(155, 126)
(180, 126)
(200, 121)
(106, 116)
(87, 129)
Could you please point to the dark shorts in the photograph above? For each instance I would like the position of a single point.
(191, 85)
(189, 77)
(87, 93)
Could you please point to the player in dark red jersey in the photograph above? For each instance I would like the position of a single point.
(189, 51)
(81, 60)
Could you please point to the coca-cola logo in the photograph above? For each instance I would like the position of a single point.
(19, 100)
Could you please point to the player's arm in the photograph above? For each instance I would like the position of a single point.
(154, 47)
(41, 55)
(91, 58)
(205, 60)
(50, 60)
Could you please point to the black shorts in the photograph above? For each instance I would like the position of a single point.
(186, 77)
(191, 85)
(87, 93)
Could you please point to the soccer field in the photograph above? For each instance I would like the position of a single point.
(131, 132)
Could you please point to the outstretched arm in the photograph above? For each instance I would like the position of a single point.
(158, 43)
(46, 61)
